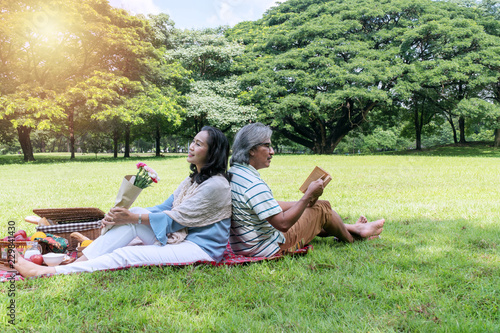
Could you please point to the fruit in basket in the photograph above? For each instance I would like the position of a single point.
(19, 238)
(20, 232)
(37, 259)
(38, 234)
(86, 243)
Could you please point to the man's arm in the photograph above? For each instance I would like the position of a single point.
(286, 205)
(292, 211)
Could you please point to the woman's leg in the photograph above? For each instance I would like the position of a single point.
(116, 237)
(185, 252)
(120, 236)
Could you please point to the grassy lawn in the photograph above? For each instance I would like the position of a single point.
(435, 269)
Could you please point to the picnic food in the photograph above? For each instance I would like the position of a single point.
(37, 259)
(79, 237)
(43, 221)
(38, 234)
(32, 219)
(86, 243)
(20, 232)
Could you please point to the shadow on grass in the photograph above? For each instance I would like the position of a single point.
(472, 149)
(50, 158)
(460, 243)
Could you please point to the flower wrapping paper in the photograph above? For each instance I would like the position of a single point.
(126, 196)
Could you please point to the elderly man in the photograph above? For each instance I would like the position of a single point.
(262, 226)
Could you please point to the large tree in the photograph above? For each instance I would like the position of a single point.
(50, 48)
(489, 12)
(317, 68)
(212, 96)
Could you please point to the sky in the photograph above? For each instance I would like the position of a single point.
(197, 14)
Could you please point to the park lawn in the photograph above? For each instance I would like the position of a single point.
(435, 269)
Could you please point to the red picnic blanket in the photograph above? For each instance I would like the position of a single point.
(229, 259)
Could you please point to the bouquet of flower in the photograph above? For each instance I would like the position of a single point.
(132, 186)
(145, 176)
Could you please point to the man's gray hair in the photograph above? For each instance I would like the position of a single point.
(248, 137)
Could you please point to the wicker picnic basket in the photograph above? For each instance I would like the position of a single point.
(6, 245)
(85, 220)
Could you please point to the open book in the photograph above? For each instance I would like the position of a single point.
(316, 174)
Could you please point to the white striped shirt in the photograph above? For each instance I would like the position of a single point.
(253, 202)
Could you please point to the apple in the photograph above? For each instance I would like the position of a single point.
(19, 238)
(37, 259)
(6, 239)
(20, 232)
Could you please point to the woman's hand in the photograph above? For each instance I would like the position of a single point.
(119, 216)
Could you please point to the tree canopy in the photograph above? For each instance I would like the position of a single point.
(61, 58)
(319, 67)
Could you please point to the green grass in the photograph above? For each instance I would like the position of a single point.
(436, 268)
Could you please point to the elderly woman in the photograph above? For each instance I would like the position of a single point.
(262, 226)
(191, 225)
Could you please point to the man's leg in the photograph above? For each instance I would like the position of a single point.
(322, 220)
(308, 226)
(362, 229)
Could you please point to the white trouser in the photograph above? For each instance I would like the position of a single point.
(111, 251)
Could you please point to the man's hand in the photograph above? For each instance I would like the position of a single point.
(314, 191)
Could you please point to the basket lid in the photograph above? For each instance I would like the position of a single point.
(69, 215)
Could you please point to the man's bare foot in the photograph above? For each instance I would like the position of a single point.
(361, 220)
(369, 230)
(27, 268)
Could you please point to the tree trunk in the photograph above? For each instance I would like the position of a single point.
(418, 130)
(25, 141)
(418, 140)
(115, 143)
(158, 137)
(127, 141)
(455, 139)
(71, 127)
(497, 137)
(461, 127)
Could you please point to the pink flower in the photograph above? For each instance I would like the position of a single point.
(145, 176)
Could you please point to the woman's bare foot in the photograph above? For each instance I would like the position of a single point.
(27, 268)
(82, 258)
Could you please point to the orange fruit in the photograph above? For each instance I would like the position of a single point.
(38, 234)
(86, 243)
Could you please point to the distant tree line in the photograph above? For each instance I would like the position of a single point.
(325, 74)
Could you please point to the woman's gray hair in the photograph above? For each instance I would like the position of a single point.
(248, 137)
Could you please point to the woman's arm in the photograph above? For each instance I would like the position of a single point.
(120, 215)
(161, 223)
(166, 205)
